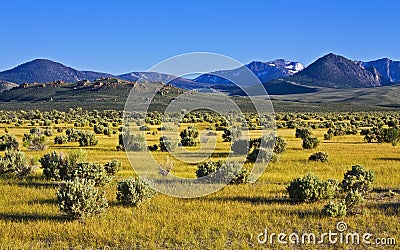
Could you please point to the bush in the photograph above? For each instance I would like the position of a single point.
(240, 147)
(15, 163)
(231, 134)
(55, 166)
(87, 139)
(91, 172)
(260, 155)
(130, 142)
(133, 191)
(228, 171)
(34, 141)
(98, 129)
(8, 142)
(333, 209)
(48, 132)
(154, 147)
(353, 200)
(79, 199)
(319, 156)
(358, 179)
(60, 139)
(310, 188)
(303, 132)
(188, 136)
(280, 145)
(207, 168)
(310, 142)
(167, 144)
(112, 167)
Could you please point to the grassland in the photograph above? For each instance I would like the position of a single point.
(228, 219)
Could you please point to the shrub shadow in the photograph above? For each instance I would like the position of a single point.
(31, 217)
(387, 159)
(253, 200)
(391, 208)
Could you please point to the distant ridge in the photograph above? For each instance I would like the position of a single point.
(43, 70)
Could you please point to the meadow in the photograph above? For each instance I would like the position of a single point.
(231, 218)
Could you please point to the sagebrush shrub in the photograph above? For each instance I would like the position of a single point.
(55, 166)
(333, 209)
(358, 179)
(112, 167)
(303, 132)
(8, 142)
(353, 200)
(240, 147)
(260, 155)
(188, 136)
(15, 163)
(319, 156)
(87, 139)
(311, 188)
(79, 199)
(90, 172)
(223, 172)
(134, 191)
(167, 144)
(310, 142)
(280, 145)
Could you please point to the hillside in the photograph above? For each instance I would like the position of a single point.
(4, 85)
(334, 71)
(43, 70)
(387, 69)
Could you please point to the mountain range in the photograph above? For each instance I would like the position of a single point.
(279, 77)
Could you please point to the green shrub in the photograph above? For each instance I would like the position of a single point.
(188, 136)
(311, 188)
(8, 142)
(15, 163)
(310, 142)
(240, 147)
(333, 209)
(231, 134)
(260, 155)
(90, 172)
(167, 144)
(55, 166)
(133, 191)
(34, 141)
(303, 132)
(319, 156)
(79, 199)
(224, 172)
(60, 139)
(98, 129)
(280, 145)
(87, 139)
(128, 142)
(207, 168)
(358, 179)
(112, 167)
(353, 200)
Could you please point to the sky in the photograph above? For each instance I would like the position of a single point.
(123, 36)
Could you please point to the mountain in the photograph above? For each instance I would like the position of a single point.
(43, 70)
(4, 85)
(387, 69)
(265, 71)
(334, 71)
(179, 82)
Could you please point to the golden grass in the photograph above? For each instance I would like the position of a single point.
(228, 219)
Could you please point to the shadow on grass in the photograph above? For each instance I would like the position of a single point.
(253, 200)
(392, 208)
(43, 202)
(31, 217)
(387, 159)
(385, 190)
(36, 184)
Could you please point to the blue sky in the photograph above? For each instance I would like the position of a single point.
(123, 36)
